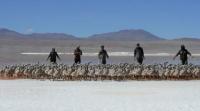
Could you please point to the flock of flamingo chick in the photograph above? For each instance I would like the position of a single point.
(99, 72)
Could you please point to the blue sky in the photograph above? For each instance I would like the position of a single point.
(165, 18)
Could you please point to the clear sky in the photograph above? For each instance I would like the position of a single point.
(165, 18)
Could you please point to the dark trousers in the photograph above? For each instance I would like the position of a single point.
(184, 62)
(53, 61)
(77, 60)
(103, 61)
(140, 60)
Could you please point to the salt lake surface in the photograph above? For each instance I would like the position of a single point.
(34, 95)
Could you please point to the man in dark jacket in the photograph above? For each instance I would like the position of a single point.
(52, 56)
(183, 52)
(139, 54)
(103, 55)
(77, 55)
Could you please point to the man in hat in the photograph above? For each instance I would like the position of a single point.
(52, 56)
(139, 54)
(77, 55)
(103, 55)
(183, 52)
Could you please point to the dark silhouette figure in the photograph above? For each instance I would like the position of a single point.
(139, 54)
(103, 55)
(77, 55)
(52, 56)
(183, 52)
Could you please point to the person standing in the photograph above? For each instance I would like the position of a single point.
(139, 54)
(77, 55)
(183, 52)
(103, 55)
(52, 56)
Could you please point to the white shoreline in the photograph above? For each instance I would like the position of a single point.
(110, 54)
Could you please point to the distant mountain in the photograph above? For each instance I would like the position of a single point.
(186, 39)
(6, 33)
(132, 35)
(136, 35)
(9, 34)
(52, 36)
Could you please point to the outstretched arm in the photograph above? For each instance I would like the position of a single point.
(81, 53)
(48, 57)
(189, 53)
(134, 53)
(99, 54)
(107, 55)
(176, 55)
(58, 56)
(142, 52)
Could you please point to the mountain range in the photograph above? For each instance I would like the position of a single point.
(126, 35)
(7, 34)
(136, 35)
